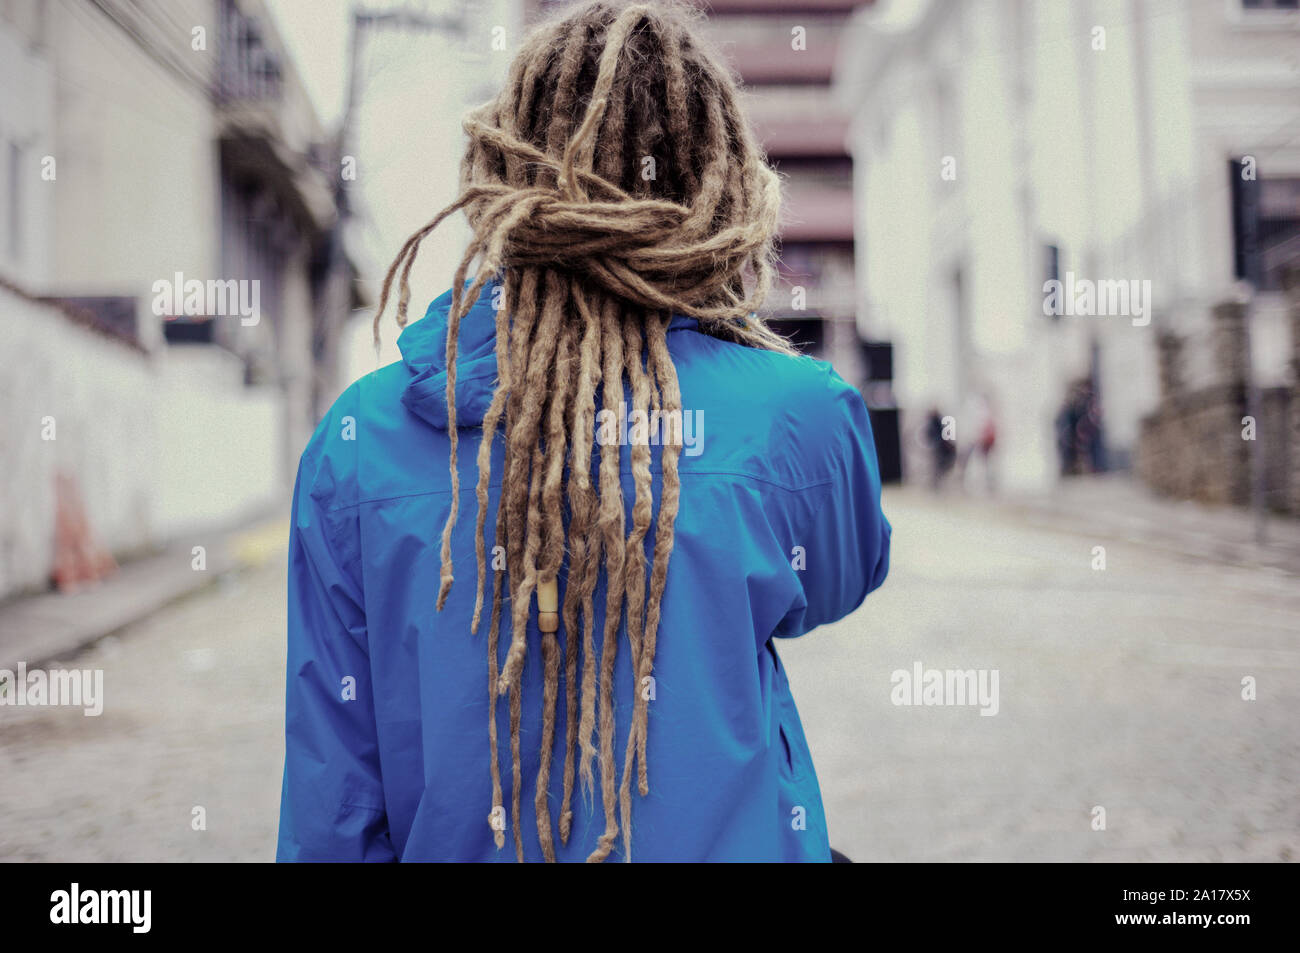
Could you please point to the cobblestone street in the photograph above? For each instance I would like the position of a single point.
(193, 715)
(1119, 689)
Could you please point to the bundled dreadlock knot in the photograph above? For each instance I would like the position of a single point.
(593, 260)
(655, 253)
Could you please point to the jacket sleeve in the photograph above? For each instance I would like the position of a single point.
(847, 536)
(332, 803)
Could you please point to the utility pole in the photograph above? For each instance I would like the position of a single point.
(1246, 191)
(338, 295)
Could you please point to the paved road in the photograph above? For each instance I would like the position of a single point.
(1118, 688)
(193, 710)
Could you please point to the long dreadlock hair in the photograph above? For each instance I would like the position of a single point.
(594, 257)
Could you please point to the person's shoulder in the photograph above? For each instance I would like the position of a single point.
(807, 385)
(328, 467)
(776, 375)
(831, 409)
(783, 417)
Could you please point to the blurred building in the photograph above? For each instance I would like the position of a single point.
(1000, 144)
(418, 68)
(148, 148)
(785, 53)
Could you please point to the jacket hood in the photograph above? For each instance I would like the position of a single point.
(424, 351)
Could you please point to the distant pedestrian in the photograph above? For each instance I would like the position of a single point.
(1079, 441)
(979, 435)
(942, 445)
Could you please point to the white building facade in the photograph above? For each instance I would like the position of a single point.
(1001, 143)
(119, 167)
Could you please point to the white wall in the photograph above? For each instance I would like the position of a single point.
(219, 443)
(137, 189)
(158, 445)
(99, 396)
(26, 122)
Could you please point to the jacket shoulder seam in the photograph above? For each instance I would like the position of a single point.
(802, 488)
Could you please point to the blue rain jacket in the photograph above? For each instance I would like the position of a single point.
(779, 531)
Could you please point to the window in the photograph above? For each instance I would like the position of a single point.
(1278, 231)
(1051, 263)
(1263, 14)
(1265, 227)
(808, 335)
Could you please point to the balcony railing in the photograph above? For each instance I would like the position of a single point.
(247, 68)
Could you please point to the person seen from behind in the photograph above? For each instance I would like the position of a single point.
(540, 566)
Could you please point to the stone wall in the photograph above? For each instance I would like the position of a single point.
(1191, 447)
(1195, 446)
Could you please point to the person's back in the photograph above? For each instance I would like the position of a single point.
(687, 477)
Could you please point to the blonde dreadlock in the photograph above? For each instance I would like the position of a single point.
(594, 259)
